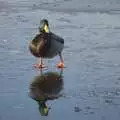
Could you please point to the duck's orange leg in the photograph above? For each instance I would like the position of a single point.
(40, 65)
(61, 64)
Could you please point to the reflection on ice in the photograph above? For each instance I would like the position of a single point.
(46, 86)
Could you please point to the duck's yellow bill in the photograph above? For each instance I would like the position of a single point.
(46, 29)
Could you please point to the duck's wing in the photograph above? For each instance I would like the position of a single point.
(55, 45)
(57, 38)
(37, 45)
(37, 39)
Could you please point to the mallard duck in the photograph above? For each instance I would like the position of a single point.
(46, 45)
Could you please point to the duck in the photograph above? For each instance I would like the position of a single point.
(46, 44)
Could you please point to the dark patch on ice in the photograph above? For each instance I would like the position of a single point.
(77, 109)
(62, 19)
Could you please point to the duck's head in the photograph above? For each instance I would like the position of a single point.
(43, 108)
(44, 26)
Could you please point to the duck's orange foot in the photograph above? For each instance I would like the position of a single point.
(40, 66)
(60, 65)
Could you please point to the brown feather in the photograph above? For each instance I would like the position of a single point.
(40, 45)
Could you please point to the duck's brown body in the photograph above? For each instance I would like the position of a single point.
(46, 45)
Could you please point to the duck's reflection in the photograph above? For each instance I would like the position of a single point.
(46, 86)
